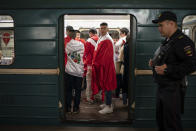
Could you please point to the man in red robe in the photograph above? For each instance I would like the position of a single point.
(89, 50)
(103, 69)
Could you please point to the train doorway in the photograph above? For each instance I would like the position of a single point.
(189, 27)
(123, 103)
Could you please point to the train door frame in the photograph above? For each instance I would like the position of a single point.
(132, 50)
(194, 34)
(61, 64)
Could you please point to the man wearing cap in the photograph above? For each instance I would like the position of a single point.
(176, 60)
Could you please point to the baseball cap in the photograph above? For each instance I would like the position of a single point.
(167, 15)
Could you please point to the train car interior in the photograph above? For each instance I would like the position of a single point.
(89, 111)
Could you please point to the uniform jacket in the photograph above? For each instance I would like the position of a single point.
(180, 59)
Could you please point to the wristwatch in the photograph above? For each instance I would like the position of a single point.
(165, 71)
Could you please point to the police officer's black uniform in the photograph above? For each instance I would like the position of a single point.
(180, 61)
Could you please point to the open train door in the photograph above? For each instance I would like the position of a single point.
(89, 112)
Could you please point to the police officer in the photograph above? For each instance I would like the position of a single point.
(170, 71)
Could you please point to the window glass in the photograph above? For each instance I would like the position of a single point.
(186, 31)
(189, 27)
(6, 40)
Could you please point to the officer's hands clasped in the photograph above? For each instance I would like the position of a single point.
(159, 69)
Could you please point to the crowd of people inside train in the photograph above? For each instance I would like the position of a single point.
(105, 66)
(101, 62)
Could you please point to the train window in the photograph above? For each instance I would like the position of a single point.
(6, 40)
(83, 24)
(84, 34)
(189, 27)
(186, 31)
(114, 33)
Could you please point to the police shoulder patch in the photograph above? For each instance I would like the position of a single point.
(180, 37)
(188, 50)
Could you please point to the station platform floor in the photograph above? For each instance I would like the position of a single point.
(71, 128)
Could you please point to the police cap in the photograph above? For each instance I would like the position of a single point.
(167, 15)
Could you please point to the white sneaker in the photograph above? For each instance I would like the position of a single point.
(106, 110)
(102, 106)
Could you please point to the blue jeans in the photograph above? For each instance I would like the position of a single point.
(108, 95)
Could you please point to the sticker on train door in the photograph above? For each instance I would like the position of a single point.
(6, 38)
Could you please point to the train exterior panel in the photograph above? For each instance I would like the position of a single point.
(31, 92)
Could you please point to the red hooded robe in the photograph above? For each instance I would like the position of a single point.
(103, 68)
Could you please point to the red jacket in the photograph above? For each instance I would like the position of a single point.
(89, 50)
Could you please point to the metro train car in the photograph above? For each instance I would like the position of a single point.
(32, 86)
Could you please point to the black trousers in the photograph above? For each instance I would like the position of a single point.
(168, 107)
(119, 84)
(73, 85)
